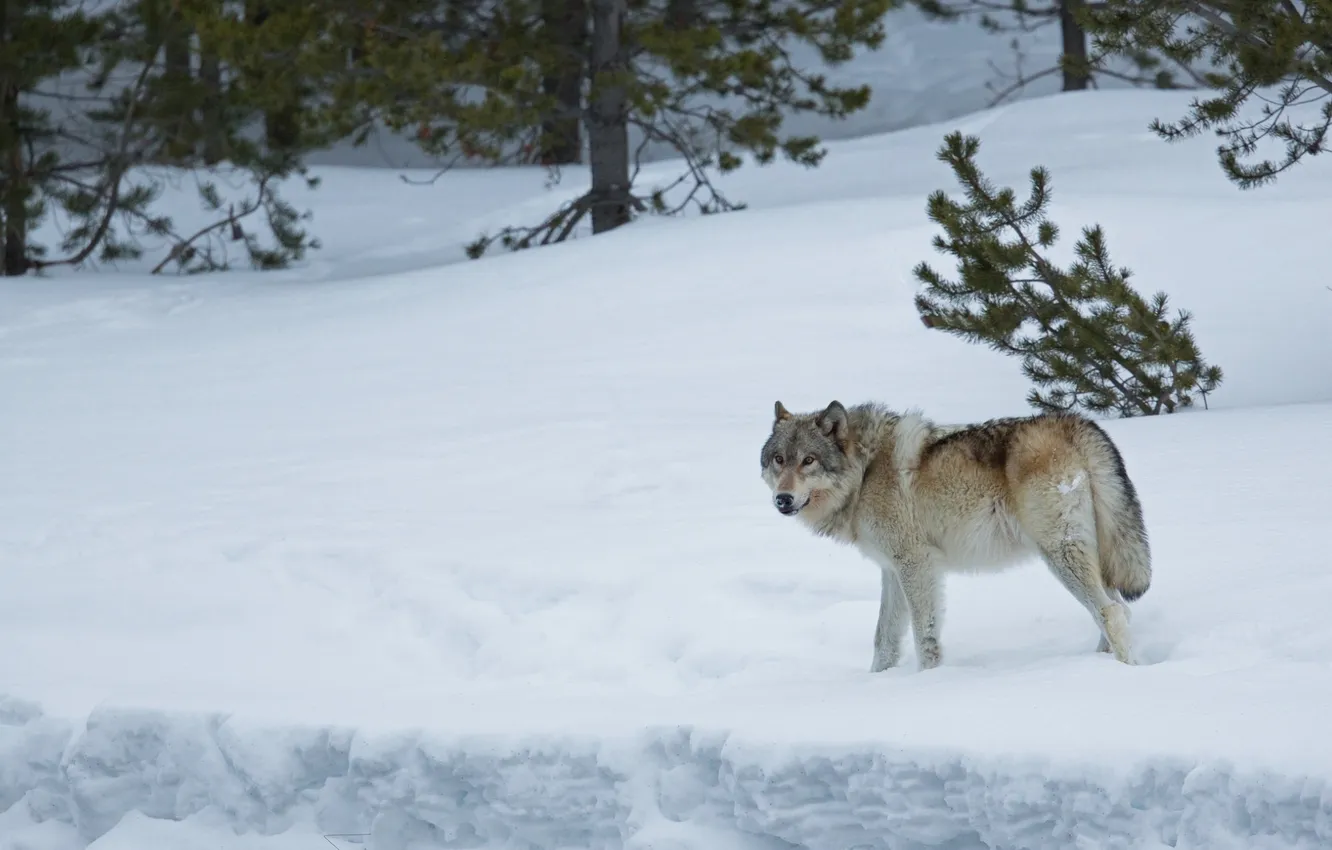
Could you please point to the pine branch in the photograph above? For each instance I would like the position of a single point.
(1098, 344)
(1212, 13)
(116, 165)
(1277, 52)
(1105, 349)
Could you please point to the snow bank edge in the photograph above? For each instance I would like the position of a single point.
(553, 792)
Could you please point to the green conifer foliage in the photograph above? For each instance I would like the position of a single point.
(713, 80)
(1078, 66)
(101, 108)
(146, 108)
(1085, 337)
(1275, 55)
(39, 40)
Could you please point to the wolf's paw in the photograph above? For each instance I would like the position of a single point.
(931, 655)
(883, 661)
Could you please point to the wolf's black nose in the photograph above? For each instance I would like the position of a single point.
(784, 501)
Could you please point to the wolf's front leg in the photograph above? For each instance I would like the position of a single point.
(892, 622)
(921, 583)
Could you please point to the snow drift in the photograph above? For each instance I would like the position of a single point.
(126, 773)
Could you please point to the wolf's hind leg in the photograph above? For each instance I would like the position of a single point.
(1076, 568)
(1104, 645)
(1057, 513)
(892, 623)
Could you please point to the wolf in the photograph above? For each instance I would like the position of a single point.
(920, 499)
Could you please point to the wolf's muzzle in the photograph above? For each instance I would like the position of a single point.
(785, 503)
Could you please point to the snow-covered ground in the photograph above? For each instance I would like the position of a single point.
(477, 554)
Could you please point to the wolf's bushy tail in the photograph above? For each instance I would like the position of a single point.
(1121, 535)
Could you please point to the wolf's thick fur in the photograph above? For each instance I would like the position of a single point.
(920, 499)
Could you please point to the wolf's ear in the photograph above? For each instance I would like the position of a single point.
(832, 421)
(780, 412)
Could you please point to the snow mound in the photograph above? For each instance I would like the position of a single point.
(125, 776)
(477, 554)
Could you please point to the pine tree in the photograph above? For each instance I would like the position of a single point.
(1084, 336)
(462, 78)
(95, 99)
(508, 81)
(711, 79)
(39, 40)
(1277, 52)
(1078, 67)
(565, 28)
(169, 115)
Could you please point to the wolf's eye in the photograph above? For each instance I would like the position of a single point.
(778, 459)
(809, 459)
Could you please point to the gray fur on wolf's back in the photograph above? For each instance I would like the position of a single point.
(920, 499)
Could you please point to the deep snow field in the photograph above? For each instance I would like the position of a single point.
(476, 554)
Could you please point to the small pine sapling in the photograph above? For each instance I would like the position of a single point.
(1086, 338)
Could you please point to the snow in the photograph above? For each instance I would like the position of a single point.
(435, 553)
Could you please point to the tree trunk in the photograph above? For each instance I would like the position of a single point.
(561, 137)
(13, 176)
(181, 134)
(282, 127)
(681, 14)
(176, 47)
(607, 119)
(212, 126)
(15, 191)
(282, 121)
(1074, 58)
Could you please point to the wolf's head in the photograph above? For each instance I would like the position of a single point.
(805, 457)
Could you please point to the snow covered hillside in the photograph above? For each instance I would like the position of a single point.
(428, 553)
